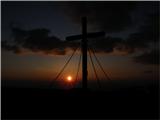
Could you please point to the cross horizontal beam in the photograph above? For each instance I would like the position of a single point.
(89, 35)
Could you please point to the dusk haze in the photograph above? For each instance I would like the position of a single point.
(80, 59)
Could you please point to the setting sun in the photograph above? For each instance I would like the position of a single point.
(69, 78)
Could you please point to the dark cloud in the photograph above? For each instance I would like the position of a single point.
(108, 16)
(8, 47)
(147, 34)
(105, 44)
(151, 58)
(36, 40)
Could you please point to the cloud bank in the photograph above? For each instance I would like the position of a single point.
(108, 16)
(36, 40)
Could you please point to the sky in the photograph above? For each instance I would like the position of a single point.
(34, 47)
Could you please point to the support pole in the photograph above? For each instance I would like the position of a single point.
(84, 53)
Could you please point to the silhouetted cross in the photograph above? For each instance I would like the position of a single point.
(84, 37)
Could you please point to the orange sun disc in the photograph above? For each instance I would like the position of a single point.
(69, 78)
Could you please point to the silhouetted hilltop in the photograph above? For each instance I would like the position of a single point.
(133, 102)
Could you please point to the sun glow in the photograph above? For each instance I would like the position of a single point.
(69, 78)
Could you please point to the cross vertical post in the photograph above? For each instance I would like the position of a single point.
(84, 53)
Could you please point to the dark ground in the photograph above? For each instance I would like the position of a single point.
(45, 103)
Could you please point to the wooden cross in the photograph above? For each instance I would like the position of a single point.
(84, 37)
